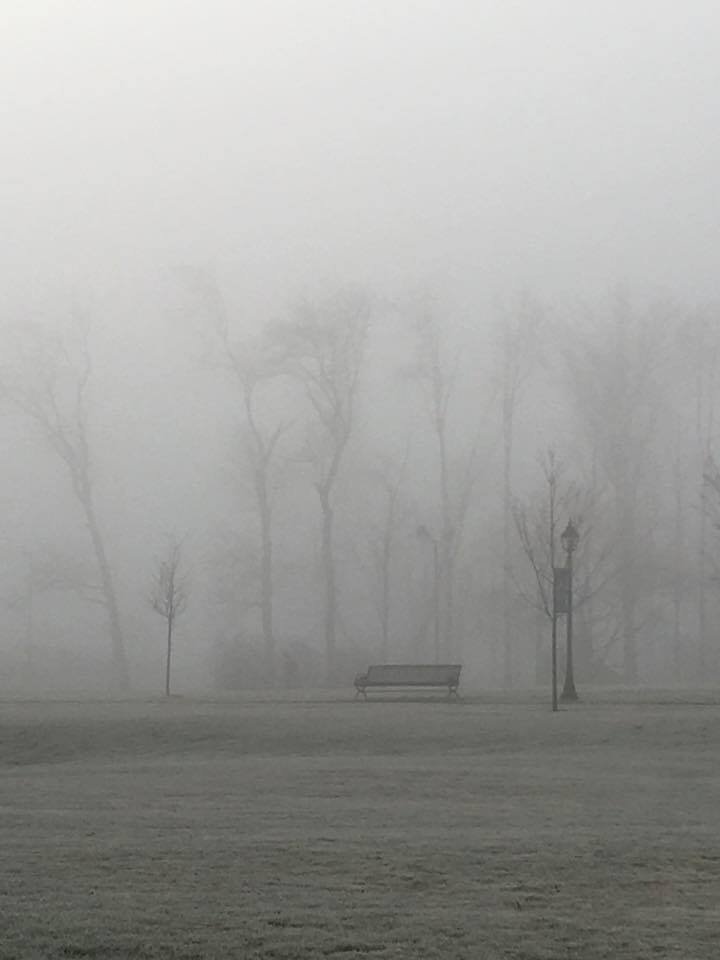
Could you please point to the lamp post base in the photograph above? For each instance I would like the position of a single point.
(569, 695)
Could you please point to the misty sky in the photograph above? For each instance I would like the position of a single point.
(561, 145)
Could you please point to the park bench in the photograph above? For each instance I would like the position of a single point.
(417, 675)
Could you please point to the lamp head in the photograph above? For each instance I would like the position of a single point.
(570, 537)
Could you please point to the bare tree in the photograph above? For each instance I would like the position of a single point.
(538, 524)
(49, 385)
(680, 579)
(519, 329)
(711, 508)
(538, 532)
(702, 338)
(537, 529)
(323, 348)
(47, 571)
(614, 377)
(437, 376)
(252, 366)
(169, 593)
(382, 544)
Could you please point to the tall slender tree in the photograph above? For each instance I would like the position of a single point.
(323, 347)
(615, 376)
(520, 325)
(390, 478)
(252, 367)
(49, 384)
(702, 337)
(436, 373)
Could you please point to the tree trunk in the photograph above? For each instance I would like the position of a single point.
(267, 582)
(446, 555)
(385, 601)
(539, 621)
(120, 672)
(30, 628)
(328, 561)
(704, 428)
(169, 654)
(628, 592)
(625, 515)
(678, 565)
(507, 520)
(701, 581)
(584, 652)
(437, 645)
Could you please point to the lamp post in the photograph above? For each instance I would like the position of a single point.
(424, 534)
(570, 539)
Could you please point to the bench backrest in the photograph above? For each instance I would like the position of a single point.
(414, 674)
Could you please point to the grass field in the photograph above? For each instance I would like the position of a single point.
(324, 828)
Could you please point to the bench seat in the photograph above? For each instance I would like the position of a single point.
(401, 675)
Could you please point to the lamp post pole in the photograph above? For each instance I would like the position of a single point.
(570, 538)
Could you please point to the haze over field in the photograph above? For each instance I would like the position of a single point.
(512, 207)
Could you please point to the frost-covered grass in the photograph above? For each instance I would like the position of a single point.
(344, 829)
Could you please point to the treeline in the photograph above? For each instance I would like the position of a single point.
(362, 479)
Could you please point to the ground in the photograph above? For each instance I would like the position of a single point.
(329, 827)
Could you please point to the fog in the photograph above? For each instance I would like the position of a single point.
(514, 204)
